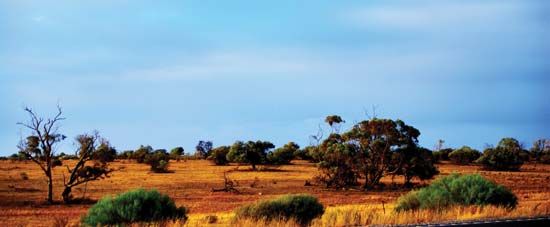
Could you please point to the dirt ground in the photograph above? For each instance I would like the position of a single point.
(191, 183)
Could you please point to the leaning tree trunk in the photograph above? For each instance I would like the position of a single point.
(66, 195)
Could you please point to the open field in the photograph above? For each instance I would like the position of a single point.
(21, 201)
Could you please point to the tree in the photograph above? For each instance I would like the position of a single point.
(464, 155)
(203, 149)
(440, 144)
(141, 153)
(334, 121)
(376, 140)
(253, 153)
(91, 148)
(105, 152)
(413, 161)
(506, 156)
(40, 145)
(315, 140)
(158, 160)
(176, 153)
(540, 152)
(442, 155)
(127, 154)
(283, 155)
(515, 146)
(338, 165)
(219, 155)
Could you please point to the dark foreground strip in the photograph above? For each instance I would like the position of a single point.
(538, 221)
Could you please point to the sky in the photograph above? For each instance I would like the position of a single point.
(172, 73)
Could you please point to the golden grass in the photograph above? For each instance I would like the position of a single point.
(21, 201)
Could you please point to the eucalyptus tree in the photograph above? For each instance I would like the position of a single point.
(251, 152)
(94, 153)
(40, 146)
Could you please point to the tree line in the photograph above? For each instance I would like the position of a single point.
(358, 157)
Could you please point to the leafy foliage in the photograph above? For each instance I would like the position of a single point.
(506, 156)
(105, 153)
(464, 155)
(252, 152)
(176, 153)
(141, 153)
(442, 155)
(457, 189)
(219, 155)
(540, 152)
(338, 166)
(303, 153)
(203, 149)
(127, 154)
(413, 161)
(158, 160)
(370, 150)
(334, 121)
(92, 148)
(302, 208)
(283, 155)
(133, 207)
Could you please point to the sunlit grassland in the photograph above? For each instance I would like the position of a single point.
(21, 201)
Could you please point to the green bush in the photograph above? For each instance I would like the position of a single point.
(464, 155)
(283, 155)
(442, 155)
(218, 155)
(500, 158)
(133, 207)
(302, 208)
(457, 189)
(159, 161)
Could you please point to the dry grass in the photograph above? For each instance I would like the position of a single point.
(21, 201)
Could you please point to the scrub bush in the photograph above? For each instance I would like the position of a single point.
(133, 207)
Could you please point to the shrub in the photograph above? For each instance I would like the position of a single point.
(464, 155)
(500, 159)
(301, 208)
(442, 155)
(413, 161)
(134, 206)
(105, 153)
(457, 189)
(176, 153)
(303, 154)
(158, 160)
(283, 155)
(218, 155)
(127, 154)
(141, 153)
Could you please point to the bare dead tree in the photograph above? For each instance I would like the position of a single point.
(315, 140)
(40, 146)
(440, 144)
(89, 148)
(373, 115)
(228, 185)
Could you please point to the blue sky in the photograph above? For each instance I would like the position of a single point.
(172, 73)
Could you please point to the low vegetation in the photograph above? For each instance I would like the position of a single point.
(507, 156)
(464, 155)
(461, 190)
(137, 206)
(300, 208)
